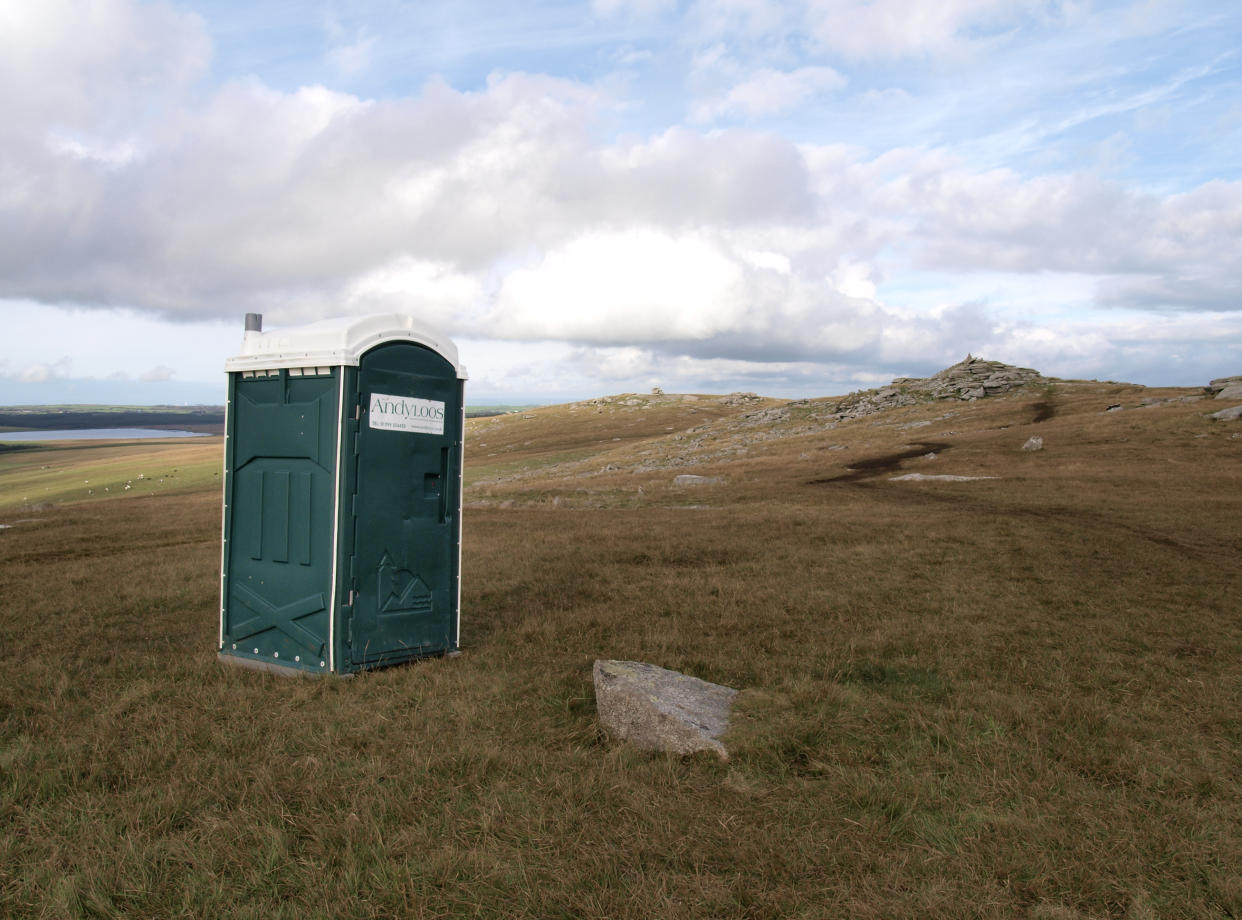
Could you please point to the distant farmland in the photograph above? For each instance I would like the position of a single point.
(68, 418)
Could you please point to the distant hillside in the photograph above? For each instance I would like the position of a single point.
(73, 418)
(628, 449)
(189, 418)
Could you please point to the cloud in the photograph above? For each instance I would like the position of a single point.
(410, 285)
(611, 8)
(632, 286)
(1171, 252)
(537, 208)
(97, 66)
(1170, 292)
(731, 19)
(34, 373)
(871, 29)
(44, 372)
(691, 293)
(868, 29)
(296, 203)
(354, 57)
(263, 197)
(768, 92)
(644, 368)
(157, 374)
(110, 155)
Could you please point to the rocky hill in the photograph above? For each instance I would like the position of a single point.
(631, 447)
(968, 380)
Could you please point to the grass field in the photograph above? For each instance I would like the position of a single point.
(75, 471)
(1018, 696)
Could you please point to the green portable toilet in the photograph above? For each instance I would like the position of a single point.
(341, 547)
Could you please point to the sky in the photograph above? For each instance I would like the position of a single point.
(793, 197)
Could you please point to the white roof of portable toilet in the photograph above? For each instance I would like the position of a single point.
(333, 342)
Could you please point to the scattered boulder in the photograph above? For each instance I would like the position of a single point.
(1035, 443)
(1151, 402)
(768, 416)
(739, 399)
(685, 480)
(656, 709)
(1228, 415)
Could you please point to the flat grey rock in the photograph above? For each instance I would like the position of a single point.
(1232, 391)
(935, 477)
(1035, 443)
(690, 479)
(656, 709)
(1228, 415)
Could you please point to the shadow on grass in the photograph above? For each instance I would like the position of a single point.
(925, 683)
(871, 467)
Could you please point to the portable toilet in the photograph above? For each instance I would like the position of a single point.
(341, 545)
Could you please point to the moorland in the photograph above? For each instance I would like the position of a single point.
(1012, 693)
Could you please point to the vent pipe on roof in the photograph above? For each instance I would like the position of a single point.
(254, 322)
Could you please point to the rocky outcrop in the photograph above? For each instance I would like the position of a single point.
(1226, 388)
(767, 416)
(971, 379)
(1151, 402)
(1228, 415)
(656, 709)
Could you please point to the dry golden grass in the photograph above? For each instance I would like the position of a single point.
(1007, 697)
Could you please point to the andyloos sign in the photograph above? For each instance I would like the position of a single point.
(399, 413)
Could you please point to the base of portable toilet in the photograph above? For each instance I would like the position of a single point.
(341, 544)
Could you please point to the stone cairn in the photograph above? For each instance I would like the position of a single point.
(971, 379)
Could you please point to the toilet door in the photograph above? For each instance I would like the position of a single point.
(279, 495)
(406, 508)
